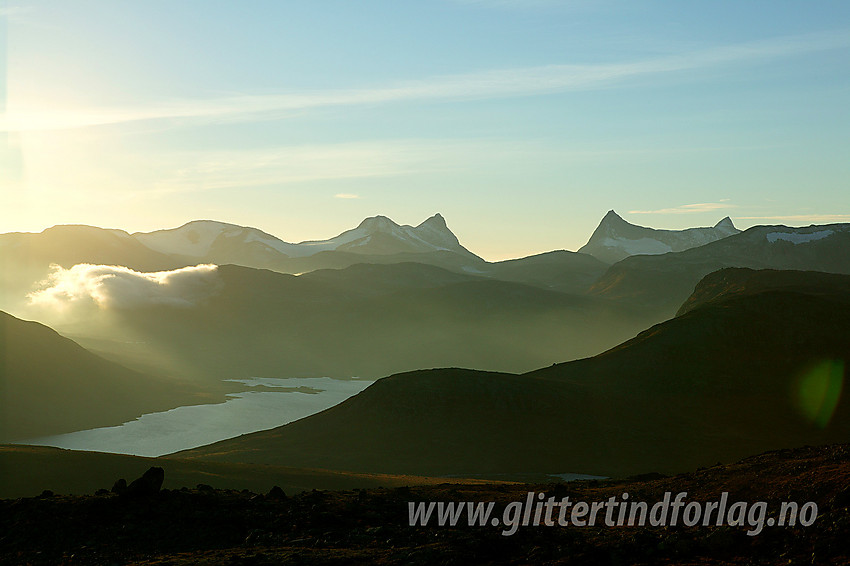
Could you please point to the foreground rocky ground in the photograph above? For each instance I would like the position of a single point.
(208, 526)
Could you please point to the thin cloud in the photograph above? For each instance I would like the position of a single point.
(689, 208)
(200, 171)
(347, 196)
(502, 83)
(813, 218)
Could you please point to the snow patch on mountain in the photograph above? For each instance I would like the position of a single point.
(194, 239)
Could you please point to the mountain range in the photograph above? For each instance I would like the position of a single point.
(216, 242)
(27, 257)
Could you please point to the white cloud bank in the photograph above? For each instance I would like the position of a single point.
(111, 286)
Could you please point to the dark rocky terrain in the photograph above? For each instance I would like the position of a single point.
(208, 526)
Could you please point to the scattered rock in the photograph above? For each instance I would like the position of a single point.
(276, 493)
(147, 485)
(120, 486)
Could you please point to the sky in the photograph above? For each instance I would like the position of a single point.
(521, 121)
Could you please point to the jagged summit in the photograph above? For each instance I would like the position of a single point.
(612, 217)
(615, 238)
(380, 235)
(725, 223)
(436, 221)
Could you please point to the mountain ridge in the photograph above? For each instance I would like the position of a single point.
(615, 239)
(202, 239)
(664, 282)
(42, 374)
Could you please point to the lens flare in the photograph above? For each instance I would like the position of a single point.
(819, 391)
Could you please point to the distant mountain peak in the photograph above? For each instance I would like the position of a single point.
(725, 223)
(377, 224)
(616, 239)
(436, 221)
(612, 216)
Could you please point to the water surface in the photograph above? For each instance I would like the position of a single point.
(266, 403)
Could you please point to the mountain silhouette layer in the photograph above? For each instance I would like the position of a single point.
(755, 371)
(366, 321)
(50, 385)
(663, 282)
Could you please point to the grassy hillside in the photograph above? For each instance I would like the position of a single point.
(49, 385)
(25, 471)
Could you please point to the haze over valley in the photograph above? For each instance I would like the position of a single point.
(669, 324)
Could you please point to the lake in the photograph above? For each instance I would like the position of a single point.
(156, 434)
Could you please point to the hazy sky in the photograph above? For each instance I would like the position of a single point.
(522, 121)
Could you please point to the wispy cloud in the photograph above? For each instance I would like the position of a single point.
(689, 208)
(813, 218)
(223, 169)
(499, 83)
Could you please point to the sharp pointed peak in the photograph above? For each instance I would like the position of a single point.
(437, 221)
(612, 216)
(725, 222)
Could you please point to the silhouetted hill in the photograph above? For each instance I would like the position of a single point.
(50, 385)
(615, 239)
(370, 321)
(663, 282)
(380, 279)
(560, 270)
(754, 372)
(734, 282)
